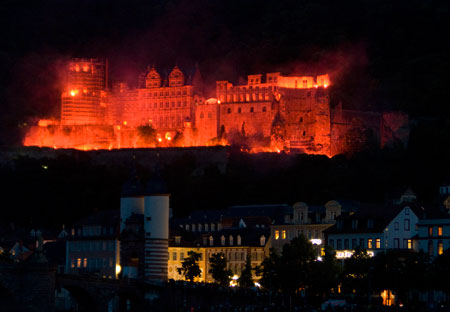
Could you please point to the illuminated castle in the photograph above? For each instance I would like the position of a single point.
(268, 113)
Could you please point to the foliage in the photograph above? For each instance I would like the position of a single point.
(324, 275)
(246, 280)
(356, 272)
(269, 271)
(441, 270)
(218, 269)
(189, 267)
(147, 134)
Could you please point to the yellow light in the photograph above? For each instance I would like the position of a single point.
(325, 86)
(218, 102)
(118, 269)
(159, 139)
(73, 92)
(125, 123)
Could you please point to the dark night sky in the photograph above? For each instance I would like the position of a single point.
(381, 53)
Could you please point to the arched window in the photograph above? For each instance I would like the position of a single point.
(231, 240)
(264, 109)
(239, 240)
(211, 241)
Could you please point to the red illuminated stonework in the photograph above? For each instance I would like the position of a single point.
(270, 113)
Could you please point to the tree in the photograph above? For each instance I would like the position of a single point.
(218, 269)
(147, 134)
(190, 268)
(324, 275)
(246, 280)
(269, 272)
(356, 272)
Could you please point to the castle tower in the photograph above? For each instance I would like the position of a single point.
(153, 79)
(131, 199)
(156, 227)
(84, 97)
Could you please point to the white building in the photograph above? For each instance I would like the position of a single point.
(373, 228)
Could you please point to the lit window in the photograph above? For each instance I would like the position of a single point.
(277, 234)
(409, 243)
(378, 243)
(440, 248)
(284, 234)
(79, 263)
(84, 262)
(181, 255)
(72, 264)
(440, 231)
(430, 231)
(369, 243)
(174, 255)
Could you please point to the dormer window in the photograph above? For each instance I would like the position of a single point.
(199, 227)
(211, 241)
(222, 240)
(206, 227)
(262, 240)
(213, 227)
(239, 240)
(231, 240)
(177, 240)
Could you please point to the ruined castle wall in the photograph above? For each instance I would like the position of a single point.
(254, 117)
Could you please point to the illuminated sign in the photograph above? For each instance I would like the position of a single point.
(344, 254)
(316, 241)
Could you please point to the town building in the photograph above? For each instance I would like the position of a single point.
(93, 245)
(309, 221)
(374, 228)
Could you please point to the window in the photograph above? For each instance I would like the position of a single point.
(361, 243)
(301, 119)
(354, 224)
(305, 83)
(331, 243)
(84, 262)
(206, 227)
(222, 239)
(264, 109)
(396, 243)
(396, 226)
(283, 233)
(262, 240)
(346, 244)
(440, 231)
(174, 255)
(339, 244)
(409, 243)
(407, 211)
(369, 243)
(378, 243)
(231, 240)
(252, 110)
(239, 110)
(213, 227)
(369, 223)
(430, 247)
(228, 110)
(353, 243)
(406, 224)
(79, 263)
(200, 227)
(181, 255)
(440, 248)
(177, 240)
(430, 231)
(211, 241)
(239, 240)
(277, 234)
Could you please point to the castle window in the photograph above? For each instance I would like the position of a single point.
(305, 83)
(430, 231)
(167, 104)
(369, 244)
(241, 97)
(209, 115)
(239, 110)
(228, 110)
(252, 109)
(199, 227)
(173, 103)
(184, 92)
(167, 93)
(301, 119)
(247, 97)
(253, 96)
(260, 96)
(177, 240)
(407, 225)
(155, 105)
(178, 103)
(264, 109)
(181, 255)
(304, 133)
(262, 240)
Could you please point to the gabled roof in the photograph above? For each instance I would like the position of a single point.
(379, 215)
